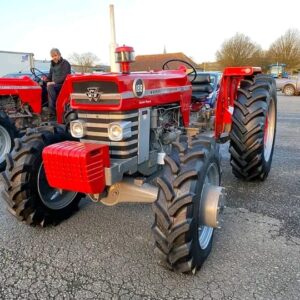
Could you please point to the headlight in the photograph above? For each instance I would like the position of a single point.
(118, 131)
(78, 128)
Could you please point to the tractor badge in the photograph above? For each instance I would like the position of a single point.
(93, 94)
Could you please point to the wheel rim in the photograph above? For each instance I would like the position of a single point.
(5, 143)
(51, 197)
(205, 232)
(269, 130)
(289, 91)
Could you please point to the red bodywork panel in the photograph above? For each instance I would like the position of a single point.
(76, 166)
(160, 88)
(28, 90)
(229, 85)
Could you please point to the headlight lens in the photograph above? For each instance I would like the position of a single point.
(78, 128)
(118, 131)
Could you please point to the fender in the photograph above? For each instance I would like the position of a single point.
(230, 82)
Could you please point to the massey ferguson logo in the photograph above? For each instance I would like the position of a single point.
(93, 94)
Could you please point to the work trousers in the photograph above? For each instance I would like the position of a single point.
(53, 91)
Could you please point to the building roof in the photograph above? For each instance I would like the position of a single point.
(155, 61)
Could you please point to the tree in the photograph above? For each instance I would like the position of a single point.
(286, 49)
(239, 51)
(85, 60)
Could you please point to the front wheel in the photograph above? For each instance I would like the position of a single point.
(27, 192)
(188, 203)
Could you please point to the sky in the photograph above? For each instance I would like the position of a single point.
(196, 27)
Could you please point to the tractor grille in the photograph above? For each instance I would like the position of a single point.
(106, 87)
(108, 90)
(97, 124)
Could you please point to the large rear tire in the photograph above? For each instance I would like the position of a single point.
(6, 139)
(253, 130)
(181, 238)
(27, 193)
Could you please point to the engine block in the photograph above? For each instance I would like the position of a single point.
(10, 104)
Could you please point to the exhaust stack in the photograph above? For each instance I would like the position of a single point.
(114, 67)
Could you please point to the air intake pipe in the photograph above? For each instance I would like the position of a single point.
(124, 55)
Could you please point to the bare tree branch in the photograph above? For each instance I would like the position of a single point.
(286, 49)
(84, 60)
(239, 51)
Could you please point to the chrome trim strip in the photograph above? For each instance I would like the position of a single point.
(104, 134)
(159, 91)
(81, 96)
(107, 116)
(112, 143)
(101, 125)
(17, 87)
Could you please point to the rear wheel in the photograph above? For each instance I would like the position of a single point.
(6, 138)
(289, 90)
(27, 192)
(182, 231)
(253, 128)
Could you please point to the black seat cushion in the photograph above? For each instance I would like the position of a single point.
(201, 87)
(199, 96)
(202, 78)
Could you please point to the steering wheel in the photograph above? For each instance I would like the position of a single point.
(194, 71)
(38, 76)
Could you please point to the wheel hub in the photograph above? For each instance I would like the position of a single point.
(289, 91)
(5, 143)
(269, 130)
(55, 199)
(211, 204)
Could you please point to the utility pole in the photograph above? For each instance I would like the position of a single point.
(114, 67)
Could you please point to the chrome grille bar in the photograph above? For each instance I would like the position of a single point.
(97, 125)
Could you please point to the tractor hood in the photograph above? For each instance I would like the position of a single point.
(121, 92)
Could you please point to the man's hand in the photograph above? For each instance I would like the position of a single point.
(50, 83)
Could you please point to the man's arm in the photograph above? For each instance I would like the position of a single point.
(65, 70)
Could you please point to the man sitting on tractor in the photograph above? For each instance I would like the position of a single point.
(59, 70)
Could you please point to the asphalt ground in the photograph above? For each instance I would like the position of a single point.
(108, 252)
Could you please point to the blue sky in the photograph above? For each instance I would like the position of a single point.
(195, 27)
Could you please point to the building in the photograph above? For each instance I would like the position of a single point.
(154, 62)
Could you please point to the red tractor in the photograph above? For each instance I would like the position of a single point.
(145, 137)
(21, 101)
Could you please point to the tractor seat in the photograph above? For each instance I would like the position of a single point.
(201, 88)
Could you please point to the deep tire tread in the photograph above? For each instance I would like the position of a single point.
(248, 121)
(20, 191)
(175, 222)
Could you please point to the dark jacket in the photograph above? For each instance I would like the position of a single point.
(59, 71)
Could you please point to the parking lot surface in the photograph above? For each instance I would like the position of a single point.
(108, 252)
